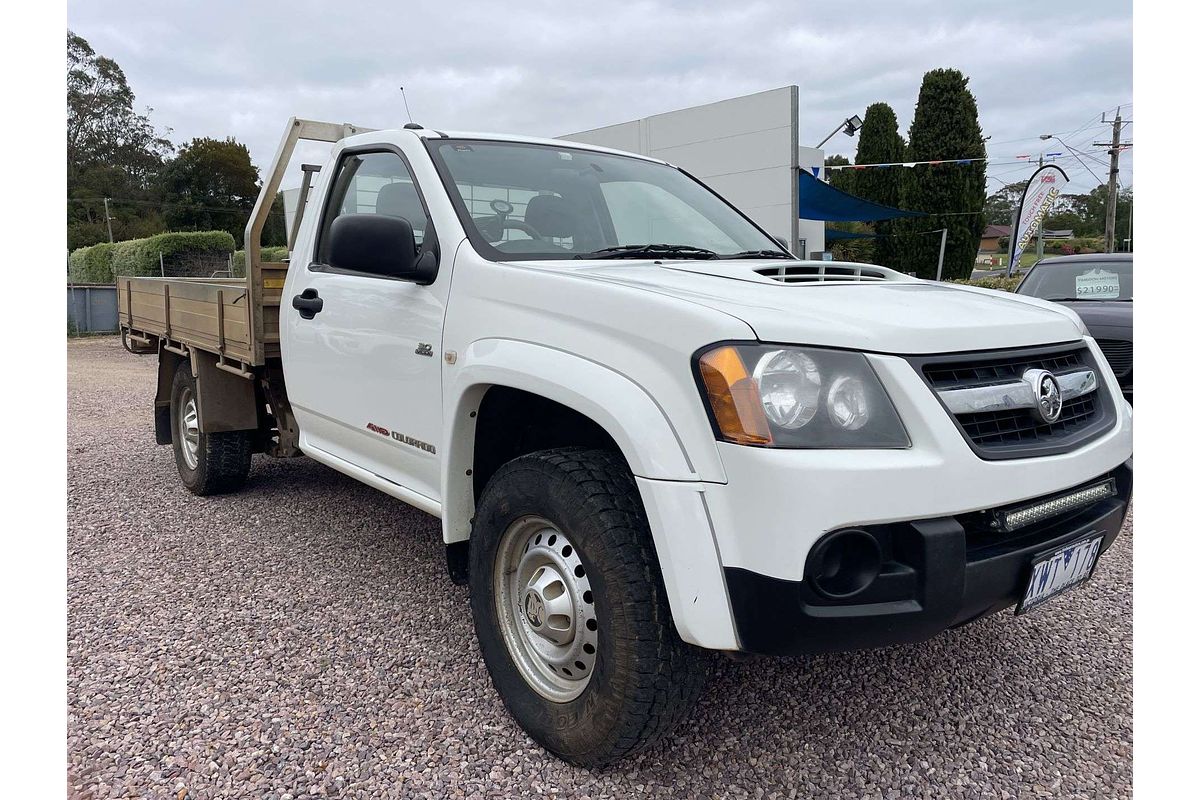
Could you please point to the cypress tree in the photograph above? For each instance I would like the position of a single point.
(945, 126)
(839, 178)
(879, 142)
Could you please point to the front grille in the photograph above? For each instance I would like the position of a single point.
(997, 370)
(1020, 432)
(1119, 355)
(1016, 426)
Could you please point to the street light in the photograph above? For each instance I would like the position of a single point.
(1074, 152)
(848, 126)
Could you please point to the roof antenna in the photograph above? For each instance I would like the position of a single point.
(405, 97)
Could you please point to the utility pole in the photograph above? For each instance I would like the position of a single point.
(1012, 240)
(1041, 245)
(108, 220)
(1114, 152)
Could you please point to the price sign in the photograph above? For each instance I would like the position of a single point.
(1097, 284)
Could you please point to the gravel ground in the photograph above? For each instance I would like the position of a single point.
(302, 639)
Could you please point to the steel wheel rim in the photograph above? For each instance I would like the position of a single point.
(545, 608)
(189, 429)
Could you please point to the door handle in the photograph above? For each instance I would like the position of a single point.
(308, 303)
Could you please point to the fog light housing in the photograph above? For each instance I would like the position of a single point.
(844, 563)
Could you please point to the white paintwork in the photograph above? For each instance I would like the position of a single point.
(355, 362)
(902, 316)
(777, 503)
(686, 546)
(615, 340)
(415, 499)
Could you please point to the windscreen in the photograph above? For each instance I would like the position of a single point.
(1080, 280)
(528, 201)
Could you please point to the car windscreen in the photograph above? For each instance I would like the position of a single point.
(531, 201)
(1080, 280)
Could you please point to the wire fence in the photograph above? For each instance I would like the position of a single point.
(183, 264)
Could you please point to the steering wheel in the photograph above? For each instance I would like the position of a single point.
(503, 208)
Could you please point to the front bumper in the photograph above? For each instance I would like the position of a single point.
(938, 573)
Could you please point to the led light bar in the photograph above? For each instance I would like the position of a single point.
(1022, 517)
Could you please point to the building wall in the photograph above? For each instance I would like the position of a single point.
(811, 231)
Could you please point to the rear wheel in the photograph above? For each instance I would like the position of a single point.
(570, 608)
(209, 463)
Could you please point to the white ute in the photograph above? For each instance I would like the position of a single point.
(650, 433)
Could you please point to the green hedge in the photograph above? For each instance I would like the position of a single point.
(100, 263)
(268, 254)
(1070, 247)
(92, 264)
(1000, 284)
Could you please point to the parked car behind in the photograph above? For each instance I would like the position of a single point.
(1098, 287)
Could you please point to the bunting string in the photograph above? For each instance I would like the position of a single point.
(834, 167)
(1017, 159)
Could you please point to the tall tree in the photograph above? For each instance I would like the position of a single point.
(210, 186)
(879, 142)
(112, 150)
(999, 206)
(945, 127)
(840, 178)
(1093, 207)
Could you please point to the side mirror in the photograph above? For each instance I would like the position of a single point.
(379, 245)
(779, 240)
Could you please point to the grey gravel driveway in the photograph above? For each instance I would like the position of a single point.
(301, 639)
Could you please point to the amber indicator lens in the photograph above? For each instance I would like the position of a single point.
(734, 398)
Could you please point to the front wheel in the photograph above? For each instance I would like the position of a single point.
(209, 463)
(570, 608)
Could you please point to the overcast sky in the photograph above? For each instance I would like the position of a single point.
(224, 68)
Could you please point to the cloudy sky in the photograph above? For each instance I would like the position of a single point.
(224, 68)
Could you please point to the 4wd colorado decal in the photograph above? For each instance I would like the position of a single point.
(402, 438)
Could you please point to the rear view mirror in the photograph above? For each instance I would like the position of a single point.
(379, 245)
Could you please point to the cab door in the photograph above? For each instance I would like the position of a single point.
(362, 353)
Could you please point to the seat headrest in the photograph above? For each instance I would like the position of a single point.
(401, 200)
(551, 215)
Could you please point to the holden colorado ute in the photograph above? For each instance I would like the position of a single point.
(649, 431)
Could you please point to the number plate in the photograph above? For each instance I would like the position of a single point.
(1060, 571)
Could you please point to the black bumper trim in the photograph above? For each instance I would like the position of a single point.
(940, 573)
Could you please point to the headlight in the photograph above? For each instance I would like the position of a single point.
(790, 386)
(797, 397)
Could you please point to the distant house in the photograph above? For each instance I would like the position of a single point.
(990, 241)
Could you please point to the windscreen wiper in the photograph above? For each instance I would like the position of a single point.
(762, 254)
(651, 251)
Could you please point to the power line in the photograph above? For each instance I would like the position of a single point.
(944, 162)
(1038, 136)
(1084, 126)
(157, 203)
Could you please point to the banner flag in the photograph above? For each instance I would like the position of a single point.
(1040, 193)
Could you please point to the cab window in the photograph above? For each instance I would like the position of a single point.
(373, 183)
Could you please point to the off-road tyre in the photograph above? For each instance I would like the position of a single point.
(222, 460)
(645, 679)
